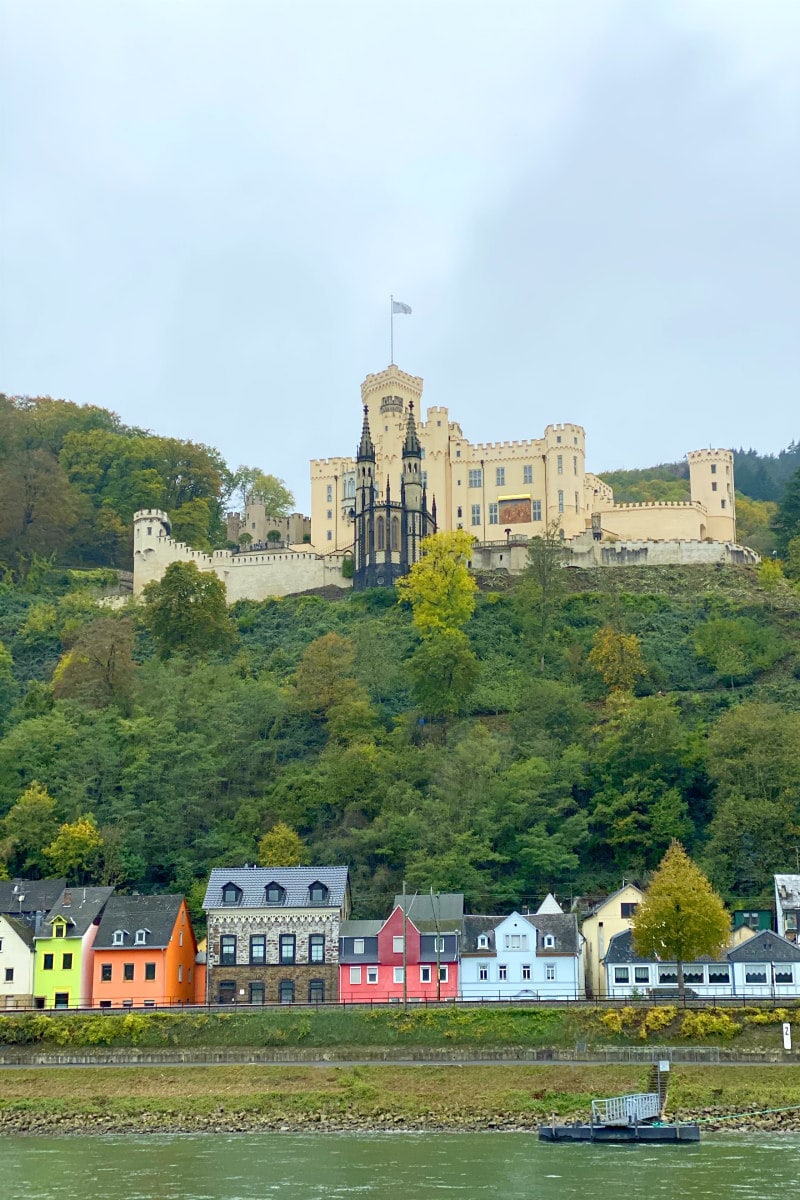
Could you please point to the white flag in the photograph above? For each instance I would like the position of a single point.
(399, 307)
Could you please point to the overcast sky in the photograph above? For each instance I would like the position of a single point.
(591, 205)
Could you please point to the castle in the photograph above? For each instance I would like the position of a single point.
(410, 478)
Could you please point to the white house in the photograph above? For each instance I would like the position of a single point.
(765, 966)
(16, 963)
(535, 956)
(787, 905)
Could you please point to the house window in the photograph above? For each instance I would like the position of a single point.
(550, 971)
(329, 493)
(127, 971)
(397, 944)
(62, 1000)
(318, 893)
(105, 1004)
(628, 910)
(105, 973)
(483, 972)
(622, 975)
(526, 970)
(791, 921)
(443, 974)
(118, 937)
(561, 502)
(398, 974)
(494, 519)
(66, 962)
(286, 991)
(231, 894)
(47, 965)
(641, 974)
(537, 510)
(358, 945)
(476, 514)
(784, 975)
(693, 975)
(227, 950)
(141, 937)
(149, 972)
(256, 992)
(355, 974)
(316, 948)
(667, 975)
(180, 972)
(719, 975)
(549, 941)
(258, 950)
(425, 973)
(560, 464)
(58, 931)
(286, 948)
(372, 974)
(227, 991)
(502, 971)
(483, 941)
(10, 975)
(755, 974)
(527, 473)
(500, 477)
(316, 991)
(476, 478)
(274, 893)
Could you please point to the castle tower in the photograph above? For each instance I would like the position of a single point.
(151, 546)
(412, 490)
(711, 485)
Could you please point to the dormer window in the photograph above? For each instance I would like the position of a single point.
(231, 894)
(58, 930)
(274, 893)
(118, 937)
(483, 941)
(549, 941)
(140, 938)
(317, 893)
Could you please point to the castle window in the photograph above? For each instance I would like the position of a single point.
(527, 473)
(422, 451)
(574, 464)
(149, 530)
(329, 535)
(713, 468)
(459, 512)
(722, 503)
(560, 502)
(577, 502)
(424, 478)
(500, 477)
(330, 514)
(560, 462)
(558, 438)
(493, 517)
(395, 533)
(329, 493)
(537, 510)
(574, 441)
(476, 478)
(381, 532)
(714, 486)
(476, 514)
(458, 454)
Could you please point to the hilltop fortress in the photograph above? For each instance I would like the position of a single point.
(411, 476)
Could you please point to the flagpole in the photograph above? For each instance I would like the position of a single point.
(391, 330)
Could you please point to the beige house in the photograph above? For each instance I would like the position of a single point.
(611, 916)
(510, 489)
(16, 963)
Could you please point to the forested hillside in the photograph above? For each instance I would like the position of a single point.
(556, 737)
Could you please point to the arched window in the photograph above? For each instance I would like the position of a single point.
(381, 532)
(395, 533)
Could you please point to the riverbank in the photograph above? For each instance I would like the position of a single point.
(362, 1098)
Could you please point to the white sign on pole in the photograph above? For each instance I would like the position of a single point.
(787, 1036)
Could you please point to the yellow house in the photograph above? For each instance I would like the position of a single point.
(613, 915)
(63, 956)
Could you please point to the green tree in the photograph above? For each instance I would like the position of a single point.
(681, 916)
(439, 587)
(324, 675)
(99, 668)
(186, 611)
(738, 647)
(252, 482)
(281, 846)
(444, 670)
(542, 588)
(618, 658)
(786, 522)
(76, 850)
(9, 689)
(29, 826)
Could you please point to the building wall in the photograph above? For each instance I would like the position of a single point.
(17, 957)
(567, 968)
(598, 931)
(75, 980)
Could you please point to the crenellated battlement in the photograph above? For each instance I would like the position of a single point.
(650, 504)
(710, 455)
(150, 514)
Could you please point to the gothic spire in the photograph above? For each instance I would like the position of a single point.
(411, 446)
(366, 450)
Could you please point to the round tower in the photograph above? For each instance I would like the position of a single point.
(565, 471)
(151, 535)
(711, 485)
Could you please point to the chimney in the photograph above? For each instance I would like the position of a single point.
(67, 899)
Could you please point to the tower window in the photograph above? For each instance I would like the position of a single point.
(476, 478)
(558, 438)
(381, 532)
(329, 535)
(459, 512)
(713, 468)
(527, 473)
(577, 503)
(574, 464)
(458, 454)
(500, 477)
(330, 514)
(476, 514)
(560, 502)
(714, 486)
(329, 493)
(560, 464)
(722, 504)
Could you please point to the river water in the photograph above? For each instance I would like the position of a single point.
(510, 1166)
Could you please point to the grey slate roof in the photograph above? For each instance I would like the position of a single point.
(39, 895)
(360, 928)
(80, 906)
(473, 927)
(155, 914)
(787, 891)
(295, 880)
(765, 947)
(596, 907)
(424, 910)
(562, 926)
(620, 950)
(22, 929)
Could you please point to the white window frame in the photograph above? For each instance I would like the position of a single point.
(397, 944)
(372, 974)
(550, 972)
(527, 473)
(483, 972)
(118, 937)
(355, 974)
(398, 974)
(443, 973)
(358, 945)
(622, 974)
(526, 971)
(502, 972)
(424, 972)
(500, 477)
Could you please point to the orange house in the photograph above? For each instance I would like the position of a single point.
(144, 953)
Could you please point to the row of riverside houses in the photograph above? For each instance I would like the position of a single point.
(70, 947)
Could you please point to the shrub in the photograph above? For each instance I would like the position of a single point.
(709, 1023)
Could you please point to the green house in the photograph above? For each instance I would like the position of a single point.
(62, 971)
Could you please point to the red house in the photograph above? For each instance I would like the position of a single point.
(375, 966)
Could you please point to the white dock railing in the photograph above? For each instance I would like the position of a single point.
(626, 1110)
